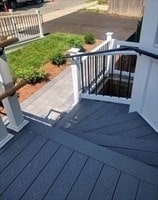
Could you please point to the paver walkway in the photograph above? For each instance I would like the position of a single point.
(52, 100)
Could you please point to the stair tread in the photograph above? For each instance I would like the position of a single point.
(139, 149)
(111, 126)
(82, 114)
(148, 158)
(121, 162)
(94, 112)
(111, 121)
(108, 110)
(122, 142)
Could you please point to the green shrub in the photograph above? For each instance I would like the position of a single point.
(89, 38)
(58, 59)
(31, 74)
(75, 42)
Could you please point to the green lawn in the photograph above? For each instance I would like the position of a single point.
(27, 62)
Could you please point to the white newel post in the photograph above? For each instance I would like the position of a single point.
(112, 45)
(39, 23)
(109, 35)
(4, 135)
(11, 104)
(75, 76)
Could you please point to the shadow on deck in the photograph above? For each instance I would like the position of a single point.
(45, 162)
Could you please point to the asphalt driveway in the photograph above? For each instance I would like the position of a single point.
(99, 24)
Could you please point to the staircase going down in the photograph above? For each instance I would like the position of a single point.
(111, 126)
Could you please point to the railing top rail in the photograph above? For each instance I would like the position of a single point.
(146, 53)
(117, 50)
(17, 15)
(100, 45)
(127, 43)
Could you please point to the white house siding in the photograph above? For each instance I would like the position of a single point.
(145, 88)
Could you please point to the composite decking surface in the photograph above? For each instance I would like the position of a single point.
(111, 125)
(43, 162)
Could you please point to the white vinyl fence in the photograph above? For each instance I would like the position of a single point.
(22, 26)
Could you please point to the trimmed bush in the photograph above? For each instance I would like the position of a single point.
(89, 38)
(31, 74)
(58, 59)
(76, 42)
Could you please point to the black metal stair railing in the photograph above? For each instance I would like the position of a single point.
(123, 48)
(111, 72)
(115, 80)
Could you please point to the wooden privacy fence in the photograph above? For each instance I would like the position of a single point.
(133, 8)
(22, 26)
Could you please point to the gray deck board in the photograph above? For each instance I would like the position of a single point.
(46, 178)
(147, 192)
(80, 107)
(150, 158)
(118, 130)
(121, 142)
(111, 158)
(106, 184)
(86, 113)
(153, 137)
(104, 110)
(116, 110)
(144, 151)
(105, 123)
(31, 171)
(67, 177)
(110, 114)
(86, 181)
(126, 188)
(98, 111)
(115, 129)
(43, 162)
(8, 144)
(55, 165)
(14, 149)
(19, 163)
(138, 132)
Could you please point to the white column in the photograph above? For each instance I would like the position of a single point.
(75, 76)
(10, 103)
(144, 98)
(112, 45)
(4, 135)
(39, 23)
(109, 35)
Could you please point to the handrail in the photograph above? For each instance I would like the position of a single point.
(125, 48)
(146, 53)
(12, 90)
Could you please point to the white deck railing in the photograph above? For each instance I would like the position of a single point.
(92, 71)
(22, 26)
